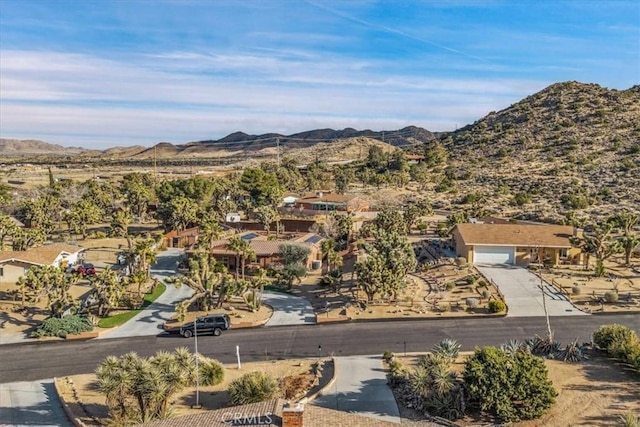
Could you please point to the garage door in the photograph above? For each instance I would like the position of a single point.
(493, 255)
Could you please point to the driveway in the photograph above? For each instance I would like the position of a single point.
(521, 290)
(31, 404)
(288, 310)
(361, 386)
(150, 320)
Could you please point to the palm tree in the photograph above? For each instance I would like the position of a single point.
(243, 251)
(327, 249)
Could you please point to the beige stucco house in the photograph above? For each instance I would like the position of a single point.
(519, 244)
(14, 264)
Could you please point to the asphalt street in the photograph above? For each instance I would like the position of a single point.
(34, 361)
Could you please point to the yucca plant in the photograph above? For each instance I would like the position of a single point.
(513, 346)
(448, 347)
(573, 352)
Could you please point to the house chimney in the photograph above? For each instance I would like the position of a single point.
(293, 415)
(319, 194)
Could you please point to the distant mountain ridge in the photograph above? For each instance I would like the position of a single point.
(230, 144)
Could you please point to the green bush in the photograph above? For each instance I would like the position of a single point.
(511, 388)
(252, 387)
(57, 327)
(388, 356)
(576, 290)
(497, 306)
(606, 335)
(211, 372)
(620, 342)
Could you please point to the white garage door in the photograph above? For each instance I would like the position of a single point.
(493, 255)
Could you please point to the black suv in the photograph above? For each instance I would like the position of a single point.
(214, 323)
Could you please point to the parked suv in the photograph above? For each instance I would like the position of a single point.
(213, 323)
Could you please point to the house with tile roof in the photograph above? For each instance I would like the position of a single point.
(267, 250)
(14, 264)
(516, 244)
(273, 413)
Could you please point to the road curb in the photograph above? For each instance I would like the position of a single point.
(65, 407)
(328, 386)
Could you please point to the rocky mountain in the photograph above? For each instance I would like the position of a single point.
(32, 147)
(571, 146)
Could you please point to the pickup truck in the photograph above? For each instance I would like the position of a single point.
(212, 323)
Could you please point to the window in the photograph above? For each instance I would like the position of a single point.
(564, 253)
(1, 271)
(225, 260)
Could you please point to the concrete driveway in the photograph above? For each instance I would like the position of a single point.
(521, 290)
(31, 404)
(361, 387)
(288, 310)
(150, 320)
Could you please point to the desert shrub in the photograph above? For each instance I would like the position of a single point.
(451, 286)
(68, 325)
(486, 294)
(576, 290)
(388, 356)
(472, 302)
(471, 280)
(606, 335)
(630, 420)
(511, 388)
(252, 387)
(211, 372)
(497, 306)
(436, 388)
(611, 296)
(461, 261)
(620, 342)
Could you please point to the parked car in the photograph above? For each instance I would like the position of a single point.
(212, 323)
(86, 269)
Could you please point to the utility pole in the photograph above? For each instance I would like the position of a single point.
(155, 163)
(278, 150)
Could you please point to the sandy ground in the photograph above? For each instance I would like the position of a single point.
(592, 289)
(212, 397)
(594, 392)
(425, 296)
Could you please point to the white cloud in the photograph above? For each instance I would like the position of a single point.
(79, 99)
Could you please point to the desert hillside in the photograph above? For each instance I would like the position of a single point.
(571, 146)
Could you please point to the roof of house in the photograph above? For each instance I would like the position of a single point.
(515, 234)
(42, 255)
(261, 247)
(269, 414)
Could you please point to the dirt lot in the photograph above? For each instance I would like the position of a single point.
(426, 295)
(626, 280)
(590, 393)
(212, 397)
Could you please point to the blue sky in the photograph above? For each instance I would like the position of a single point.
(122, 72)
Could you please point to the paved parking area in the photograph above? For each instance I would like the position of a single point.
(523, 294)
(361, 387)
(31, 404)
(288, 310)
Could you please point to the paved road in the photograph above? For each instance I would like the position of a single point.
(31, 404)
(28, 362)
(361, 387)
(150, 320)
(521, 290)
(288, 310)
